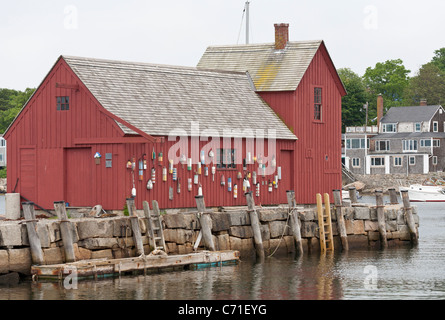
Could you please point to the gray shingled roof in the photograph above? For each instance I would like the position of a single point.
(159, 98)
(410, 114)
(270, 69)
(409, 135)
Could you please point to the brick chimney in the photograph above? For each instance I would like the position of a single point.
(281, 35)
(379, 110)
(423, 102)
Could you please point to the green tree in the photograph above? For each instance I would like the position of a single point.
(428, 83)
(439, 59)
(353, 113)
(390, 79)
(11, 102)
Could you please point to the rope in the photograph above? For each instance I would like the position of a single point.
(284, 230)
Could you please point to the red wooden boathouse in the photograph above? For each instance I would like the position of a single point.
(97, 131)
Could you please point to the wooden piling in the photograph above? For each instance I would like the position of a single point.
(381, 218)
(409, 217)
(295, 221)
(255, 223)
(33, 237)
(206, 223)
(393, 196)
(65, 230)
(353, 194)
(134, 220)
(340, 219)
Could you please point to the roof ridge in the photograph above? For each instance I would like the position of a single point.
(145, 66)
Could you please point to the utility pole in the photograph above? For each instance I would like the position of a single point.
(247, 21)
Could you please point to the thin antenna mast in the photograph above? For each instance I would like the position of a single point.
(247, 21)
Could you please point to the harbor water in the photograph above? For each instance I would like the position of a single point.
(368, 274)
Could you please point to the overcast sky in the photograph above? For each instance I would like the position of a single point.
(357, 33)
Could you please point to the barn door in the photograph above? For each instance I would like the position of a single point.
(79, 182)
(28, 175)
(287, 174)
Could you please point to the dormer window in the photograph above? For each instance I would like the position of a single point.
(417, 127)
(63, 103)
(389, 127)
(435, 126)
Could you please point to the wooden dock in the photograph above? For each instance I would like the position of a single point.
(96, 268)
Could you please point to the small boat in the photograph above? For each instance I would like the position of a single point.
(425, 193)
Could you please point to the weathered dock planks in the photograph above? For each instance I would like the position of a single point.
(111, 267)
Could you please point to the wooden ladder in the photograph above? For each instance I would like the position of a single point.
(155, 226)
(325, 224)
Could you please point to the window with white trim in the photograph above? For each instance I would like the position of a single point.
(377, 161)
(412, 161)
(389, 127)
(409, 145)
(398, 161)
(382, 145)
(436, 143)
(435, 126)
(417, 127)
(356, 162)
(434, 160)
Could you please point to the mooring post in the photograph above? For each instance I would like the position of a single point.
(409, 217)
(340, 219)
(34, 240)
(65, 230)
(206, 223)
(353, 194)
(134, 220)
(393, 196)
(255, 223)
(295, 221)
(381, 218)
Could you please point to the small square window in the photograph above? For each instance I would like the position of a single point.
(63, 103)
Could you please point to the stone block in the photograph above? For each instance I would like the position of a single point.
(102, 254)
(220, 221)
(10, 235)
(308, 229)
(172, 247)
(239, 218)
(280, 246)
(391, 212)
(81, 253)
(179, 236)
(244, 246)
(20, 260)
(97, 228)
(223, 242)
(307, 215)
(358, 226)
(391, 225)
(265, 231)
(357, 241)
(241, 232)
(362, 213)
(349, 226)
(98, 243)
(122, 227)
(371, 225)
(4, 261)
(349, 213)
(278, 228)
(185, 248)
(267, 215)
(53, 255)
(174, 221)
(373, 235)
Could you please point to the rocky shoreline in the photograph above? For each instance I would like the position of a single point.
(367, 184)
